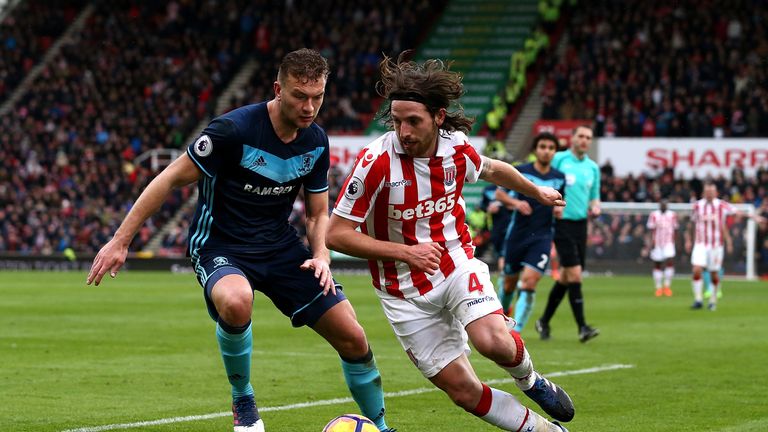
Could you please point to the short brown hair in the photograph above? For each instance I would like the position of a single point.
(430, 83)
(306, 65)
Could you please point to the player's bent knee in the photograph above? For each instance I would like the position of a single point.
(235, 306)
(354, 344)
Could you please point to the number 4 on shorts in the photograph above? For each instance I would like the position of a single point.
(474, 283)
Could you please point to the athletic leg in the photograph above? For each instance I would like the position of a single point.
(340, 328)
(658, 278)
(232, 298)
(491, 338)
(526, 298)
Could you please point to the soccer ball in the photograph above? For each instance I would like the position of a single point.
(350, 423)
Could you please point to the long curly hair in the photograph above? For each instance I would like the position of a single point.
(431, 82)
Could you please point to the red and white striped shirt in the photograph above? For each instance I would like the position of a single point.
(409, 200)
(663, 226)
(709, 217)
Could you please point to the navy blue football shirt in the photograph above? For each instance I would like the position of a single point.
(251, 179)
(539, 222)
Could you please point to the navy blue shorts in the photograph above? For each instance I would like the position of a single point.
(297, 293)
(529, 251)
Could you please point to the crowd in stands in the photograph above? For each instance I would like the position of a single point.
(352, 36)
(688, 68)
(141, 76)
(27, 33)
(138, 76)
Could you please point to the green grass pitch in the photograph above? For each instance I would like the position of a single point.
(141, 348)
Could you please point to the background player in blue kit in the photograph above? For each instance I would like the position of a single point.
(250, 165)
(528, 239)
(498, 215)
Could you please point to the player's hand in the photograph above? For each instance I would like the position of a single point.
(425, 257)
(687, 246)
(322, 273)
(110, 259)
(595, 211)
(524, 208)
(550, 197)
(493, 207)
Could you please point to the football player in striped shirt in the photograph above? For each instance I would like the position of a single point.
(402, 209)
(663, 225)
(708, 221)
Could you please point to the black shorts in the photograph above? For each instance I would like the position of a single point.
(297, 293)
(571, 242)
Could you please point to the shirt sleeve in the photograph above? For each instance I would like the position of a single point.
(594, 193)
(361, 188)
(215, 145)
(651, 221)
(474, 163)
(317, 180)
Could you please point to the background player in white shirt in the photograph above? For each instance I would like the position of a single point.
(662, 224)
(708, 219)
(404, 195)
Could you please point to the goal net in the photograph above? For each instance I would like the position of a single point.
(619, 242)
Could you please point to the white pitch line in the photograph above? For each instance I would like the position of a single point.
(327, 402)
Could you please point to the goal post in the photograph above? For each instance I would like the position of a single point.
(618, 239)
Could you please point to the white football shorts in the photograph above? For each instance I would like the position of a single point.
(431, 327)
(663, 253)
(710, 258)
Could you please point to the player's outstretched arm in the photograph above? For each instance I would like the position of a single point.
(344, 237)
(513, 204)
(112, 256)
(503, 174)
(317, 225)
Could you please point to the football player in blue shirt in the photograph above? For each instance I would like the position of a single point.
(249, 165)
(530, 231)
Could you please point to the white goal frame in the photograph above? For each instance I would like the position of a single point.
(686, 208)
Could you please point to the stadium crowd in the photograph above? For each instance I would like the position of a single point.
(379, 27)
(141, 76)
(137, 77)
(26, 34)
(648, 68)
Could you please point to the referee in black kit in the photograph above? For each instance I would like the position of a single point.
(582, 193)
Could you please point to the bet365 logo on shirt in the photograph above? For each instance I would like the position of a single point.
(423, 209)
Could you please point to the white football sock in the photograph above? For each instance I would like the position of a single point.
(713, 297)
(669, 273)
(657, 277)
(698, 285)
(506, 412)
